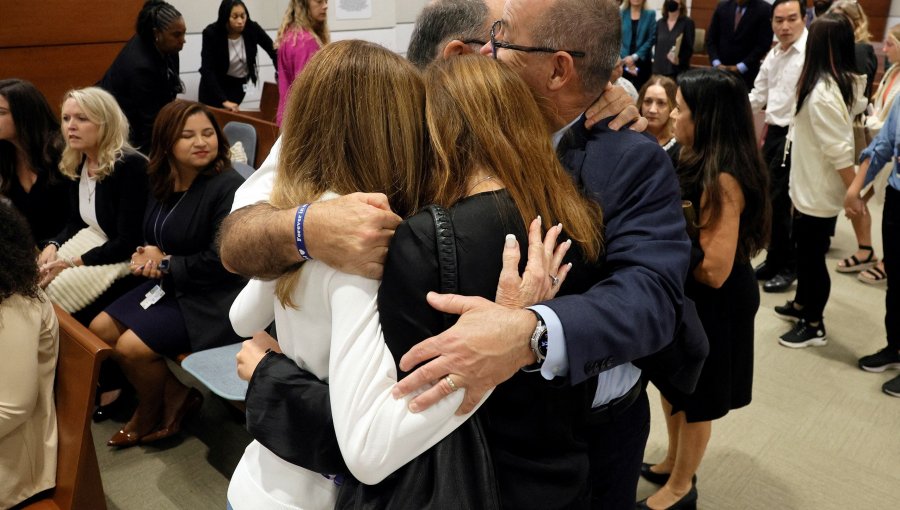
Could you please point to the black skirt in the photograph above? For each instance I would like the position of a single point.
(161, 326)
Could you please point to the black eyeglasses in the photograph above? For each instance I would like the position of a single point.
(527, 49)
(479, 42)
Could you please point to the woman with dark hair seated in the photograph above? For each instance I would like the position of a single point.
(723, 177)
(184, 302)
(29, 342)
(228, 57)
(30, 148)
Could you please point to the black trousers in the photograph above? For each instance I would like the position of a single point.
(812, 236)
(781, 253)
(616, 451)
(890, 222)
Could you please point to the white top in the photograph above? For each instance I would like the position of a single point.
(775, 87)
(336, 335)
(87, 201)
(883, 99)
(629, 88)
(237, 58)
(821, 144)
(258, 186)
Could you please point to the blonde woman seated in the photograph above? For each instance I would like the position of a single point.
(29, 342)
(107, 205)
(183, 303)
(335, 331)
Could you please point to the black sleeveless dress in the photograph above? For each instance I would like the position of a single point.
(727, 315)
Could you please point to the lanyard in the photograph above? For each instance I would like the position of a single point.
(157, 228)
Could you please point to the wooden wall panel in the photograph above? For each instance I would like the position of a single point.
(60, 44)
(56, 69)
(54, 22)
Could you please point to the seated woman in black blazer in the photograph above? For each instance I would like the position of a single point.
(183, 305)
(108, 198)
(228, 57)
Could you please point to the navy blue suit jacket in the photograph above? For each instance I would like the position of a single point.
(634, 309)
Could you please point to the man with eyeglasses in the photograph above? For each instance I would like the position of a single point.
(565, 50)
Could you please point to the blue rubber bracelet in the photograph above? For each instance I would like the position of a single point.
(298, 231)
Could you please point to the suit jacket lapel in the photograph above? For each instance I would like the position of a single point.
(571, 149)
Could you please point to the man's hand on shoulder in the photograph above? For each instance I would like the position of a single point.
(485, 347)
(351, 233)
(615, 102)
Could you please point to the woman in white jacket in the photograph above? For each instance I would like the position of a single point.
(829, 95)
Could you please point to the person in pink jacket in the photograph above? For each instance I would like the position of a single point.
(303, 31)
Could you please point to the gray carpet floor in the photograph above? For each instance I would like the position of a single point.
(819, 433)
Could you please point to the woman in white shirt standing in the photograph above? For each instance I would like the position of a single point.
(829, 94)
(384, 151)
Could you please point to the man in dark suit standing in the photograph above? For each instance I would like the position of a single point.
(739, 36)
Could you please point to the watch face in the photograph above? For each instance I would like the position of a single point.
(164, 265)
(542, 344)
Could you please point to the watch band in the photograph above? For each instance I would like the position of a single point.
(539, 339)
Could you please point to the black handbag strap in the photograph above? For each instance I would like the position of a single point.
(445, 245)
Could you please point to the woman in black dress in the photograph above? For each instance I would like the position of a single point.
(184, 303)
(722, 175)
(144, 76)
(228, 57)
(675, 34)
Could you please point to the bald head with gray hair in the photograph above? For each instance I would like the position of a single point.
(442, 21)
(591, 26)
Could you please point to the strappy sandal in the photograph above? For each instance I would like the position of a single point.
(854, 265)
(872, 276)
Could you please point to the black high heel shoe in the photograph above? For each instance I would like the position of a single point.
(658, 478)
(687, 502)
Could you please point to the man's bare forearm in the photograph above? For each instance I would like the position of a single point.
(257, 241)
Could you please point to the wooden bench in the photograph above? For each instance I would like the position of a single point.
(78, 483)
(266, 132)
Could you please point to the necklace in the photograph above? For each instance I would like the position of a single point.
(479, 181)
(157, 228)
(237, 46)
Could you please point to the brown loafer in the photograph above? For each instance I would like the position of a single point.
(192, 402)
(123, 439)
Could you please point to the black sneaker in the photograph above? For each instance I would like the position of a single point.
(892, 387)
(788, 312)
(880, 361)
(803, 335)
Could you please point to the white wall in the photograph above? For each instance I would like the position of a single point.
(390, 25)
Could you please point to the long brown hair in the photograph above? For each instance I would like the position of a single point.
(296, 17)
(166, 131)
(481, 114)
(355, 121)
(724, 141)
